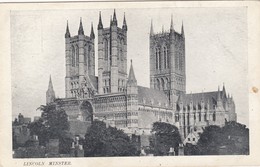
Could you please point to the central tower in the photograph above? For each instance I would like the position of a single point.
(167, 62)
(112, 56)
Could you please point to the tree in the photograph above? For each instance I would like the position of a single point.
(233, 138)
(210, 140)
(107, 141)
(164, 137)
(53, 124)
(237, 137)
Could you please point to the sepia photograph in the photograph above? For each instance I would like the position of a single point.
(129, 82)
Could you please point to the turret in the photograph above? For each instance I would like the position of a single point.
(219, 101)
(92, 35)
(68, 61)
(182, 30)
(50, 94)
(114, 21)
(151, 28)
(114, 54)
(124, 27)
(100, 25)
(131, 82)
(223, 91)
(67, 34)
(171, 28)
(80, 31)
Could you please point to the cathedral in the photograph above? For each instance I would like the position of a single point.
(114, 96)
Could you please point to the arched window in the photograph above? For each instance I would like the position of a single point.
(157, 58)
(167, 84)
(177, 61)
(165, 57)
(73, 56)
(214, 116)
(180, 62)
(160, 58)
(77, 55)
(85, 54)
(121, 45)
(90, 56)
(158, 84)
(162, 83)
(106, 49)
(168, 59)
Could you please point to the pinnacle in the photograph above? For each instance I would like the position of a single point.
(80, 31)
(67, 35)
(131, 77)
(100, 25)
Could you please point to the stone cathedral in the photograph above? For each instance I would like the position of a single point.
(113, 95)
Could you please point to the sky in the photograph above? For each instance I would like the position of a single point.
(216, 50)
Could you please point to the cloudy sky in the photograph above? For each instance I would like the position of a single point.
(216, 49)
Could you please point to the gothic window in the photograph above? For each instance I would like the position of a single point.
(205, 117)
(73, 56)
(89, 55)
(177, 61)
(188, 119)
(160, 58)
(157, 58)
(168, 58)
(162, 81)
(180, 62)
(85, 54)
(77, 55)
(158, 84)
(106, 49)
(199, 116)
(121, 45)
(214, 116)
(165, 57)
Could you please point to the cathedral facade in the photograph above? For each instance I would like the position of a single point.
(113, 96)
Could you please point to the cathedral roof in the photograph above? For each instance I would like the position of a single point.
(196, 98)
(152, 97)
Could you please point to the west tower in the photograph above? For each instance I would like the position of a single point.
(80, 60)
(112, 56)
(167, 62)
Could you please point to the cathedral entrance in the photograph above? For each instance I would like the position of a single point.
(86, 110)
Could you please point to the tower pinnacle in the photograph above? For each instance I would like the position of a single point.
(182, 30)
(100, 25)
(124, 27)
(114, 22)
(67, 35)
(50, 87)
(80, 31)
(171, 28)
(219, 96)
(50, 94)
(151, 29)
(131, 77)
(92, 35)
